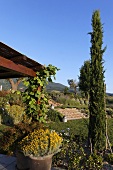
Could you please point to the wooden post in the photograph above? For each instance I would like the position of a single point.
(91, 150)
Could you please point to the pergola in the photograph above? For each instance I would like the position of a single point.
(13, 64)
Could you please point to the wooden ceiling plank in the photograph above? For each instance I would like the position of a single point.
(9, 75)
(7, 49)
(19, 58)
(14, 75)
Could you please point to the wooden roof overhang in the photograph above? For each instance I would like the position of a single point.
(13, 64)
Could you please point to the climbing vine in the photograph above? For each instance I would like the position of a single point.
(35, 96)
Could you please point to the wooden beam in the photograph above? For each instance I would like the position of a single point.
(8, 64)
(28, 62)
(9, 74)
(19, 58)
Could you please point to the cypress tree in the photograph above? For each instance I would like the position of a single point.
(97, 118)
(84, 78)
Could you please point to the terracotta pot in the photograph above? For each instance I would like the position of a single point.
(22, 161)
(40, 163)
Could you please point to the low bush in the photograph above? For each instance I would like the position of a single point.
(109, 111)
(79, 107)
(3, 101)
(94, 162)
(109, 158)
(109, 99)
(73, 156)
(12, 135)
(55, 116)
(110, 130)
(12, 114)
(12, 99)
(67, 101)
(16, 99)
(85, 111)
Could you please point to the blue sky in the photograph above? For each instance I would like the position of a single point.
(55, 32)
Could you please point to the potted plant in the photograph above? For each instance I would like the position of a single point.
(36, 100)
(38, 147)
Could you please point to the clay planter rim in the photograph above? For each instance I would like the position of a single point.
(40, 157)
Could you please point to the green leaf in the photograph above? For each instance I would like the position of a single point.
(32, 94)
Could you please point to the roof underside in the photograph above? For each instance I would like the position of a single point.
(13, 64)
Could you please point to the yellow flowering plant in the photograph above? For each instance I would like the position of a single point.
(41, 142)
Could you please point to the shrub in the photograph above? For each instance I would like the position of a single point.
(72, 155)
(12, 99)
(54, 115)
(67, 101)
(110, 129)
(77, 157)
(15, 99)
(94, 162)
(81, 101)
(86, 111)
(109, 100)
(12, 114)
(79, 107)
(109, 111)
(3, 101)
(109, 158)
(8, 140)
(12, 135)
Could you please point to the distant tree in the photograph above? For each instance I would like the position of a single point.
(14, 83)
(66, 90)
(97, 117)
(73, 84)
(84, 78)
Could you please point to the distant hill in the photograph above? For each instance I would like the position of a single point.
(109, 94)
(50, 87)
(55, 86)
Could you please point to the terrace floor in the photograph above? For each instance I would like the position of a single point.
(9, 163)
